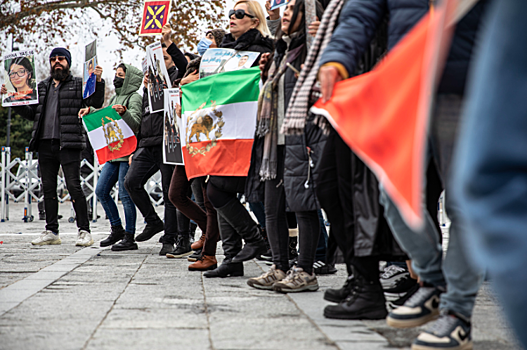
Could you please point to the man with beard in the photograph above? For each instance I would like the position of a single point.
(59, 138)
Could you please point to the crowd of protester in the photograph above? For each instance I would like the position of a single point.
(300, 167)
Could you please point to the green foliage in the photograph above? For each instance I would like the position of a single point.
(20, 133)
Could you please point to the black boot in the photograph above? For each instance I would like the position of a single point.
(128, 243)
(237, 217)
(150, 230)
(226, 269)
(366, 302)
(182, 248)
(115, 236)
(338, 295)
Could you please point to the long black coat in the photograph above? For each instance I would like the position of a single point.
(72, 133)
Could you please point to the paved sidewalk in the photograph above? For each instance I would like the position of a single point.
(65, 297)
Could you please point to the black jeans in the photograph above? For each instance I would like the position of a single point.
(145, 163)
(50, 158)
(334, 193)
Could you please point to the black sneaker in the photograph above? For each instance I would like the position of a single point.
(167, 248)
(338, 295)
(182, 248)
(195, 256)
(127, 243)
(421, 308)
(321, 268)
(366, 302)
(150, 230)
(402, 286)
(392, 305)
(391, 275)
(451, 331)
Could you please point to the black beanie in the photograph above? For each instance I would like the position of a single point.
(60, 51)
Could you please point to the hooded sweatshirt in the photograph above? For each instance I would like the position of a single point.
(127, 96)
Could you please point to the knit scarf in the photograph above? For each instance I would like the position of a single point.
(267, 122)
(295, 118)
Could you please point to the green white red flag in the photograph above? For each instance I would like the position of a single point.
(110, 136)
(218, 123)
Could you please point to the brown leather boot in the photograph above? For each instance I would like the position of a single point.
(199, 243)
(206, 263)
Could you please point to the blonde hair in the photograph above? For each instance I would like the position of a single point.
(255, 9)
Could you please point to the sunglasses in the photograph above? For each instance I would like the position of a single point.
(20, 73)
(57, 58)
(239, 14)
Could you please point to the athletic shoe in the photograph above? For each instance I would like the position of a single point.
(451, 331)
(391, 276)
(47, 237)
(321, 268)
(297, 280)
(421, 308)
(394, 304)
(266, 280)
(195, 256)
(84, 239)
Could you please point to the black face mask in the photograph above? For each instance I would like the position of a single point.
(118, 82)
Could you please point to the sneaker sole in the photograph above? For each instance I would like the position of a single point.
(296, 290)
(466, 346)
(259, 286)
(192, 259)
(179, 256)
(84, 244)
(410, 323)
(55, 242)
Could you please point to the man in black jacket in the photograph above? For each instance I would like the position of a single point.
(148, 159)
(59, 138)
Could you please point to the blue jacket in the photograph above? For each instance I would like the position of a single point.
(360, 19)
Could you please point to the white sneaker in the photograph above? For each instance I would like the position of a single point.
(84, 239)
(47, 237)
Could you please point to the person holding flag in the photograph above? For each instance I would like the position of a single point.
(59, 138)
(127, 102)
(449, 288)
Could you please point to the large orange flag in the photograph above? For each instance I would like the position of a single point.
(383, 114)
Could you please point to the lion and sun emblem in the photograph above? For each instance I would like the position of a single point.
(200, 123)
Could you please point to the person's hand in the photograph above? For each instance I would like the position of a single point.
(313, 28)
(166, 31)
(3, 91)
(328, 76)
(178, 110)
(130, 159)
(98, 72)
(273, 14)
(83, 112)
(145, 80)
(263, 60)
(119, 109)
(192, 77)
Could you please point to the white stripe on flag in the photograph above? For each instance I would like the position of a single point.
(98, 140)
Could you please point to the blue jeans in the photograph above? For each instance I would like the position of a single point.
(110, 174)
(490, 167)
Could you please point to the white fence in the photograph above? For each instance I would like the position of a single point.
(24, 185)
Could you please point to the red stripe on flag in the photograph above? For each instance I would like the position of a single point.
(227, 158)
(104, 154)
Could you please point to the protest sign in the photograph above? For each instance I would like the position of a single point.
(20, 79)
(225, 60)
(155, 16)
(171, 141)
(158, 78)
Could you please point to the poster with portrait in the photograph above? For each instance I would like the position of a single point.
(172, 153)
(20, 78)
(158, 78)
(225, 60)
(89, 80)
(278, 3)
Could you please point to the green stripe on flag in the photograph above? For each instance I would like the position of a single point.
(223, 88)
(94, 120)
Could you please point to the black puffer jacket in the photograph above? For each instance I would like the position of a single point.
(72, 133)
(151, 129)
(360, 19)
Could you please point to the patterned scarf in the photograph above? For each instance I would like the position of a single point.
(295, 118)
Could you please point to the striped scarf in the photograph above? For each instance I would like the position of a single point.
(295, 118)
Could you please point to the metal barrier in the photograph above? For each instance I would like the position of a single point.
(24, 186)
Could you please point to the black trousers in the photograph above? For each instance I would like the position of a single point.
(50, 158)
(145, 163)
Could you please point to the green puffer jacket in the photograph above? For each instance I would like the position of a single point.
(127, 96)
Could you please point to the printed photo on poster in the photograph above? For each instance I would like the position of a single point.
(158, 78)
(172, 122)
(278, 3)
(20, 79)
(89, 80)
(225, 60)
(90, 51)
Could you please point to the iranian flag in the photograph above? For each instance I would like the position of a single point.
(218, 123)
(110, 136)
